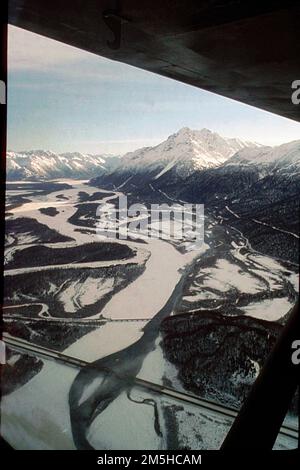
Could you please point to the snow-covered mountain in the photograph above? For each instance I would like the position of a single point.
(178, 157)
(203, 165)
(185, 151)
(185, 156)
(285, 156)
(272, 172)
(44, 164)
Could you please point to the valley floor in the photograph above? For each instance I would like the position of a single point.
(124, 305)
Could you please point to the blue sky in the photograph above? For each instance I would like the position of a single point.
(64, 99)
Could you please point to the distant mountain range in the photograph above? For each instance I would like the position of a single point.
(44, 164)
(183, 152)
(182, 156)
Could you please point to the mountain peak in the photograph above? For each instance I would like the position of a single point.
(183, 152)
(188, 132)
(205, 131)
(184, 132)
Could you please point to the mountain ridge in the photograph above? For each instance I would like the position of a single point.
(45, 164)
(181, 156)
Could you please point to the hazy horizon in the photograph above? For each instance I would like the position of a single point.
(123, 154)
